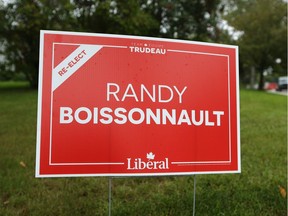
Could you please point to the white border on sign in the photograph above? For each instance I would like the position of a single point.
(39, 108)
(39, 112)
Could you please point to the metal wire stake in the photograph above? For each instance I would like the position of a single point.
(194, 196)
(110, 195)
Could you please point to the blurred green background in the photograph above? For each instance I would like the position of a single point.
(258, 27)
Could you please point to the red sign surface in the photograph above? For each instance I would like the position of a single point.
(114, 105)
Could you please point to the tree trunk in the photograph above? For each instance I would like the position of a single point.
(262, 66)
(252, 77)
(261, 80)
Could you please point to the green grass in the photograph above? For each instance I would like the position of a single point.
(253, 192)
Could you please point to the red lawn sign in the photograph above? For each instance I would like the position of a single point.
(114, 105)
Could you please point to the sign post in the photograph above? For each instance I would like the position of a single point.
(110, 197)
(114, 105)
(194, 195)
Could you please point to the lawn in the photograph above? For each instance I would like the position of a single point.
(258, 190)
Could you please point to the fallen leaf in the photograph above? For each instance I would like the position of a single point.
(282, 191)
(22, 164)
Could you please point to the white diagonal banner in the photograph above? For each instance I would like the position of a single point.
(72, 63)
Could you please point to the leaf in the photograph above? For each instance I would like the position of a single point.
(150, 156)
(22, 164)
(282, 191)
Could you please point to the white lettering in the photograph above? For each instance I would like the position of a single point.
(66, 115)
(95, 118)
(161, 100)
(112, 93)
(105, 112)
(106, 115)
(207, 122)
(193, 118)
(147, 50)
(132, 120)
(85, 110)
(139, 164)
(119, 112)
(171, 118)
(180, 93)
(129, 88)
(150, 114)
(144, 89)
(184, 118)
(218, 114)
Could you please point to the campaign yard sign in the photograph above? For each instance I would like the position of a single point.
(115, 105)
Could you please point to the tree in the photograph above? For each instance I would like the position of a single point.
(114, 16)
(264, 39)
(21, 22)
(186, 19)
(183, 19)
